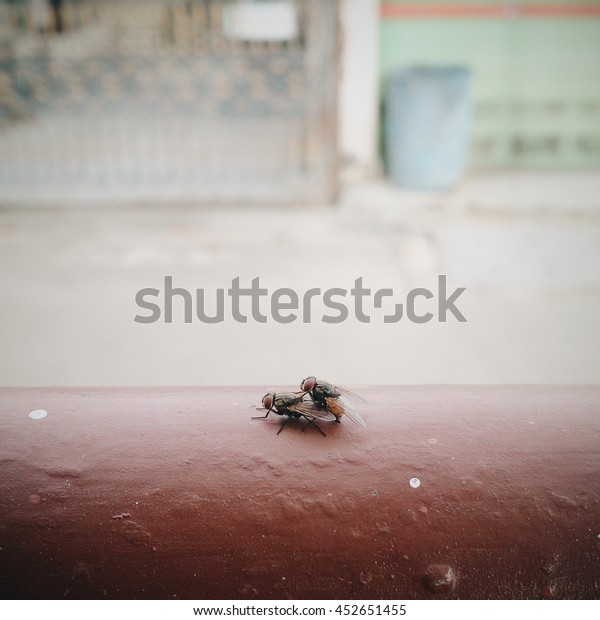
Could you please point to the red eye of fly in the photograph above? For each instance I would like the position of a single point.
(267, 401)
(308, 384)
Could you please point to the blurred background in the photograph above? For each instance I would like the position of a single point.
(308, 143)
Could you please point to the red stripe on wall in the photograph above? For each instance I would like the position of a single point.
(448, 11)
(562, 11)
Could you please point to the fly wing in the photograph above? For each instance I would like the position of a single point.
(355, 417)
(350, 395)
(310, 410)
(340, 406)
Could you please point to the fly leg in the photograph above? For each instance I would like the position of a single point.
(283, 425)
(311, 422)
(312, 398)
(260, 417)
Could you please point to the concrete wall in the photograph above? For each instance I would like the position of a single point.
(358, 113)
(537, 78)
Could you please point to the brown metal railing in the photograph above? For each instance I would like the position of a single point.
(450, 492)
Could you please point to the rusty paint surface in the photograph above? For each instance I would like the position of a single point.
(175, 492)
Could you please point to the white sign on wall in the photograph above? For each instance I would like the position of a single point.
(260, 21)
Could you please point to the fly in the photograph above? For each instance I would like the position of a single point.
(332, 398)
(293, 405)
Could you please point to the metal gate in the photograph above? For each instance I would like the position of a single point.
(185, 100)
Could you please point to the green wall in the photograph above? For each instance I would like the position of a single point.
(537, 83)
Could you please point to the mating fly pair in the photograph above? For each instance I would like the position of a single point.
(317, 400)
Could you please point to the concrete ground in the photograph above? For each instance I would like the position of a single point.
(525, 246)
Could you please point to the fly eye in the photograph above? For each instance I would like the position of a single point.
(267, 401)
(308, 384)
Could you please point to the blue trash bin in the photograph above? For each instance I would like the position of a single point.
(427, 126)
